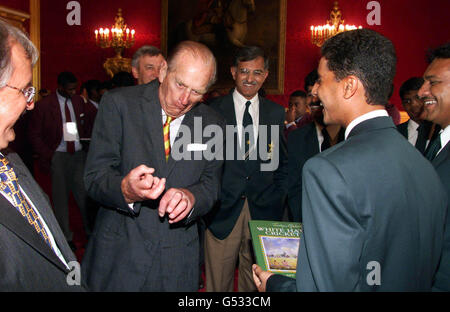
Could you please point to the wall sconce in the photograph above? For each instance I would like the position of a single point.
(334, 26)
(119, 37)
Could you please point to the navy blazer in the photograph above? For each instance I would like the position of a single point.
(372, 206)
(264, 190)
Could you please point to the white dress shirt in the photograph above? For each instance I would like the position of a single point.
(413, 132)
(444, 136)
(360, 119)
(62, 147)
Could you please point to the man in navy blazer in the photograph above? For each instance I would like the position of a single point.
(435, 93)
(249, 191)
(374, 209)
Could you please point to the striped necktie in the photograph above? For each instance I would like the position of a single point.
(9, 185)
(166, 131)
(246, 121)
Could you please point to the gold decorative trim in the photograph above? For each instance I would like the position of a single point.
(35, 36)
(15, 17)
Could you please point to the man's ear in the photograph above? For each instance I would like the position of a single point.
(350, 85)
(233, 70)
(135, 72)
(162, 71)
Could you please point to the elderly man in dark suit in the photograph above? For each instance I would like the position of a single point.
(34, 256)
(56, 127)
(435, 93)
(145, 237)
(374, 209)
(248, 190)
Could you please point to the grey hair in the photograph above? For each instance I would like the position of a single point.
(198, 50)
(144, 50)
(8, 36)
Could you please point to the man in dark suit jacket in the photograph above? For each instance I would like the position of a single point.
(34, 255)
(416, 130)
(303, 144)
(297, 114)
(249, 191)
(145, 237)
(435, 93)
(56, 115)
(373, 208)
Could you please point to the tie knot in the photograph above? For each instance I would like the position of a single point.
(168, 120)
(6, 171)
(247, 104)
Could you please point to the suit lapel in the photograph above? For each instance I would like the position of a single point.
(151, 109)
(443, 155)
(16, 223)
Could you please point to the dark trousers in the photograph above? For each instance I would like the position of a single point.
(67, 176)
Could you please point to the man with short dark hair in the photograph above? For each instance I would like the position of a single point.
(297, 114)
(146, 237)
(56, 126)
(435, 93)
(416, 130)
(34, 255)
(373, 207)
(248, 192)
(146, 63)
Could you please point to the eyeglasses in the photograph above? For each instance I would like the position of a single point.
(27, 92)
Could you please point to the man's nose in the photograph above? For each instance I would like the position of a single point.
(424, 90)
(184, 98)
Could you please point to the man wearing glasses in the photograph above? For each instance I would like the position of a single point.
(34, 255)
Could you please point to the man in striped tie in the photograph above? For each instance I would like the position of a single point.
(145, 237)
(34, 255)
(435, 93)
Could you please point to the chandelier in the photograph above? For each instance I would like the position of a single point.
(334, 26)
(119, 37)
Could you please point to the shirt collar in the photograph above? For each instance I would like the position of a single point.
(445, 136)
(242, 100)
(367, 116)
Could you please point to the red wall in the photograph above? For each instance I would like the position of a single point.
(21, 5)
(413, 26)
(73, 48)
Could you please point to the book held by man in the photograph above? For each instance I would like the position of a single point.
(276, 244)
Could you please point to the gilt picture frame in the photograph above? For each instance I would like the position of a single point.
(226, 25)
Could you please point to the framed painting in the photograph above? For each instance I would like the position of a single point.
(226, 25)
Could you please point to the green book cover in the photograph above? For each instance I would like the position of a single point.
(276, 245)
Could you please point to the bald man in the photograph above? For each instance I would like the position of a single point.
(145, 237)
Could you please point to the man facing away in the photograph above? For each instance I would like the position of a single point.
(34, 255)
(374, 209)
